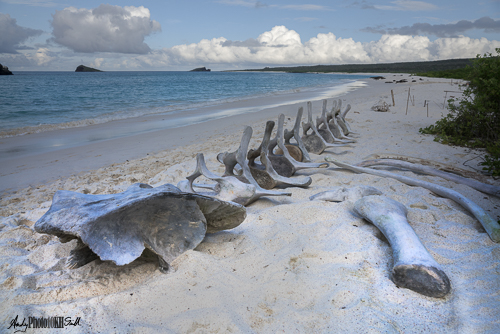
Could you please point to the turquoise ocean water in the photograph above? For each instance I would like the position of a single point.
(40, 101)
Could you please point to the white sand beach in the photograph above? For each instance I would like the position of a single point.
(293, 265)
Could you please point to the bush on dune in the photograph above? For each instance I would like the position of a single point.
(475, 120)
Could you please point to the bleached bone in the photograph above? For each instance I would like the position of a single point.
(483, 187)
(325, 130)
(295, 134)
(264, 173)
(340, 116)
(230, 160)
(414, 268)
(314, 142)
(341, 194)
(491, 226)
(343, 114)
(227, 188)
(297, 165)
(281, 163)
(381, 105)
(118, 227)
(435, 164)
(333, 125)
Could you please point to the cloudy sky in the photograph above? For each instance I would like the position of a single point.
(236, 34)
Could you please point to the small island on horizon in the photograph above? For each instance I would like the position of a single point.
(201, 69)
(83, 68)
(4, 70)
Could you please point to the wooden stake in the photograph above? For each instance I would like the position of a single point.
(408, 100)
(392, 93)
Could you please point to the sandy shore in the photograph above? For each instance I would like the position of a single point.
(293, 266)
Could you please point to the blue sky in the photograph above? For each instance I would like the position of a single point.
(238, 34)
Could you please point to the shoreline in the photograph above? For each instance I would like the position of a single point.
(251, 98)
(293, 265)
(62, 152)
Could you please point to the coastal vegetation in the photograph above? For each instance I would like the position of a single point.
(458, 73)
(406, 67)
(475, 120)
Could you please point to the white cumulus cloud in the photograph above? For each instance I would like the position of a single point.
(106, 28)
(282, 46)
(398, 48)
(279, 36)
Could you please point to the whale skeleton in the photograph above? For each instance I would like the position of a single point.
(334, 125)
(330, 132)
(295, 134)
(482, 187)
(314, 142)
(491, 226)
(279, 141)
(339, 117)
(264, 173)
(238, 157)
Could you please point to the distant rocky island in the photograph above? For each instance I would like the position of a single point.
(4, 70)
(200, 69)
(83, 68)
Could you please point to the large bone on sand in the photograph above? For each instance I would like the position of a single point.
(414, 268)
(434, 164)
(491, 226)
(483, 187)
(118, 227)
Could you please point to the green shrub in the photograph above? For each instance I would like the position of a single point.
(475, 121)
(459, 73)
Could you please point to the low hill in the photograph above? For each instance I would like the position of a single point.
(83, 68)
(406, 67)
